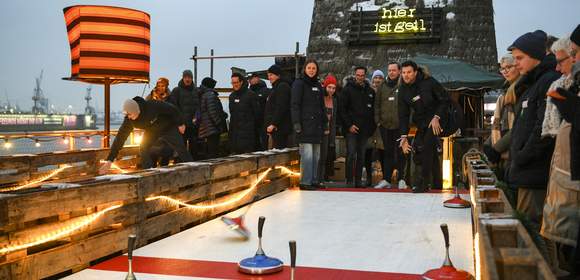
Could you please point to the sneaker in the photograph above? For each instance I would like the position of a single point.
(402, 184)
(383, 184)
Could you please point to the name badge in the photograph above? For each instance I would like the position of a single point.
(369, 105)
(391, 98)
(370, 95)
(525, 104)
(314, 89)
(237, 100)
(416, 98)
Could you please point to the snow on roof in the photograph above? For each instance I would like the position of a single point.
(370, 5)
(334, 35)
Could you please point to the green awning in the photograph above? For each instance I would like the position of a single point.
(455, 74)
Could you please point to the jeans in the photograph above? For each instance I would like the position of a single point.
(355, 157)
(309, 157)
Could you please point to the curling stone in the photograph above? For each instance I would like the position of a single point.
(260, 263)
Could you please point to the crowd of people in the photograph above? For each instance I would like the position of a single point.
(534, 142)
(535, 139)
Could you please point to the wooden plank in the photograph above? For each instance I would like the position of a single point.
(25, 208)
(172, 179)
(231, 166)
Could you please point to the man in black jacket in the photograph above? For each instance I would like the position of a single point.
(428, 100)
(530, 153)
(278, 121)
(161, 121)
(186, 99)
(243, 104)
(358, 118)
(262, 92)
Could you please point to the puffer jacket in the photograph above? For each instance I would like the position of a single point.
(186, 99)
(212, 115)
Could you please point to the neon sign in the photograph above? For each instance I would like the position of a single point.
(395, 26)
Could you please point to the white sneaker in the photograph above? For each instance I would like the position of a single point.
(383, 184)
(402, 184)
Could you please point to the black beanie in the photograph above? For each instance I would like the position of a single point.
(187, 73)
(575, 36)
(208, 82)
(532, 44)
(275, 69)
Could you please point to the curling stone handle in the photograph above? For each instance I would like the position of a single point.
(131, 245)
(292, 244)
(261, 221)
(445, 231)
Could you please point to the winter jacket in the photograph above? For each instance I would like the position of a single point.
(211, 114)
(277, 111)
(357, 107)
(262, 92)
(186, 99)
(155, 117)
(332, 123)
(158, 95)
(307, 109)
(426, 97)
(386, 103)
(244, 120)
(530, 153)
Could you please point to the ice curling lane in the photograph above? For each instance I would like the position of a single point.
(260, 263)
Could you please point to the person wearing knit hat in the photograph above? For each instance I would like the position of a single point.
(161, 90)
(277, 117)
(530, 153)
(328, 147)
(186, 98)
(529, 50)
(160, 121)
(377, 79)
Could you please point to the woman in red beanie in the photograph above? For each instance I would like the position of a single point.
(328, 148)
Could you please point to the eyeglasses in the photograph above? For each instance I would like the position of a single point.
(506, 69)
(559, 61)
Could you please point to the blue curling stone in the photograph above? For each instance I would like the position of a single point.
(260, 264)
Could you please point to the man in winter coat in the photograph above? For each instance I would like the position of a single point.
(259, 87)
(161, 121)
(387, 119)
(212, 118)
(530, 153)
(357, 111)
(244, 111)
(277, 119)
(428, 100)
(185, 97)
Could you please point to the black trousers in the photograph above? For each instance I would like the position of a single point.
(279, 140)
(426, 155)
(212, 146)
(171, 137)
(392, 154)
(355, 157)
(190, 140)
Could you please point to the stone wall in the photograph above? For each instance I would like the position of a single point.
(468, 34)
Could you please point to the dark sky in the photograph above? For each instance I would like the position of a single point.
(34, 37)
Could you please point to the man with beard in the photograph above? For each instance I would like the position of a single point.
(185, 97)
(277, 119)
(429, 101)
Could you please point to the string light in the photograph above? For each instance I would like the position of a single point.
(288, 171)
(138, 138)
(89, 140)
(235, 199)
(7, 144)
(65, 140)
(37, 181)
(58, 233)
(114, 166)
(36, 143)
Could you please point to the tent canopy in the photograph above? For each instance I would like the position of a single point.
(455, 74)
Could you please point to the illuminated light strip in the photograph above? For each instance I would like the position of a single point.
(212, 206)
(59, 233)
(287, 170)
(40, 180)
(114, 166)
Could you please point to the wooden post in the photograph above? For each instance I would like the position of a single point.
(107, 132)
